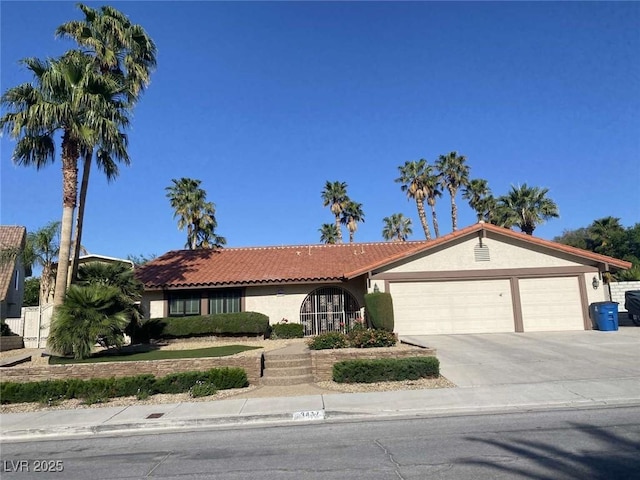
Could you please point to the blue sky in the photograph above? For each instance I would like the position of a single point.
(266, 101)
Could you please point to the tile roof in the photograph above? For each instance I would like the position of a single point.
(10, 238)
(311, 263)
(263, 265)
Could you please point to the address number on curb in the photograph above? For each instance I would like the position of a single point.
(309, 415)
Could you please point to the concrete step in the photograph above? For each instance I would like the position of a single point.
(284, 381)
(287, 356)
(287, 372)
(275, 362)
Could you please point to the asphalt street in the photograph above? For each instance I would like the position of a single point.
(586, 443)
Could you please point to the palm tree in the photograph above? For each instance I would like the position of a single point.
(526, 207)
(352, 214)
(87, 315)
(414, 176)
(454, 173)
(67, 97)
(603, 233)
(476, 192)
(124, 51)
(328, 233)
(194, 213)
(335, 197)
(42, 249)
(119, 275)
(396, 227)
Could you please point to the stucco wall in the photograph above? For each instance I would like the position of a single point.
(278, 302)
(502, 254)
(13, 300)
(599, 294)
(153, 304)
(275, 301)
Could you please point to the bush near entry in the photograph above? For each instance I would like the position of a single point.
(287, 330)
(103, 388)
(356, 338)
(241, 323)
(379, 309)
(385, 370)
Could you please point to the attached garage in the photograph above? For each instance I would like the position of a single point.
(551, 304)
(488, 279)
(476, 306)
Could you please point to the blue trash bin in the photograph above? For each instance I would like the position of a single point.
(605, 315)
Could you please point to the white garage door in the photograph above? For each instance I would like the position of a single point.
(551, 304)
(473, 306)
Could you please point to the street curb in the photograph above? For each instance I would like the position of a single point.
(329, 416)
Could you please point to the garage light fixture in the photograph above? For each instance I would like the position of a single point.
(595, 282)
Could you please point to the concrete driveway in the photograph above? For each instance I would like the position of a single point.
(515, 358)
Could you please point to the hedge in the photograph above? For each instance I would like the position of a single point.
(379, 309)
(356, 338)
(287, 330)
(385, 370)
(241, 323)
(104, 388)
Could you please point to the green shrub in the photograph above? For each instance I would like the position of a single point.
(99, 389)
(203, 389)
(385, 370)
(328, 340)
(287, 330)
(241, 323)
(5, 331)
(368, 338)
(379, 309)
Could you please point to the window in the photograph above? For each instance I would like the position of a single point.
(225, 301)
(16, 284)
(181, 304)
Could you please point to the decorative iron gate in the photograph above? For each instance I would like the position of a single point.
(328, 309)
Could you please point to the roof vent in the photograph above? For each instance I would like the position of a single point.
(481, 253)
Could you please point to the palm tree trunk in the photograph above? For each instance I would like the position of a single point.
(434, 216)
(454, 211)
(69, 193)
(339, 228)
(45, 284)
(423, 218)
(77, 241)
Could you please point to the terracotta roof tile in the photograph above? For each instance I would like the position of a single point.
(236, 266)
(310, 263)
(10, 238)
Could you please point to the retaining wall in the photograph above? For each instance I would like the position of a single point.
(11, 342)
(252, 364)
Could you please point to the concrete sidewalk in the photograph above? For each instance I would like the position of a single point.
(318, 408)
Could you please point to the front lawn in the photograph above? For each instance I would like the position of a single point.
(154, 354)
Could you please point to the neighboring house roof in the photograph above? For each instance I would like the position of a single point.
(11, 239)
(92, 257)
(311, 263)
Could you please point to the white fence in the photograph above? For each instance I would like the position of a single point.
(617, 290)
(33, 325)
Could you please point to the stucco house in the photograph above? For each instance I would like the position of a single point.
(480, 279)
(12, 270)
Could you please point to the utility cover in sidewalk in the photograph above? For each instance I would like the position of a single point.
(155, 415)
